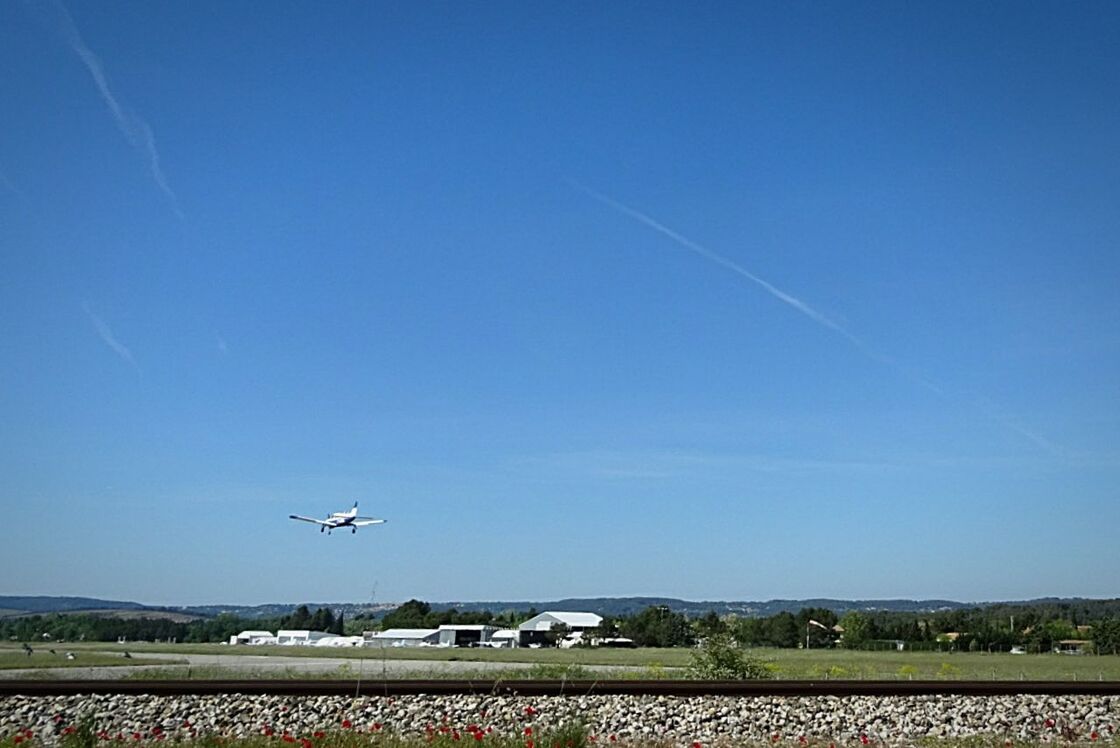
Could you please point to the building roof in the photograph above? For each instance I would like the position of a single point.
(306, 633)
(252, 634)
(544, 621)
(504, 634)
(403, 634)
(466, 627)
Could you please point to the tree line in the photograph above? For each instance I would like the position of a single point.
(1037, 627)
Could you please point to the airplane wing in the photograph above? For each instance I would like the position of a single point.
(308, 519)
(363, 521)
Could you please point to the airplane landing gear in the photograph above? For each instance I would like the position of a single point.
(353, 530)
(322, 528)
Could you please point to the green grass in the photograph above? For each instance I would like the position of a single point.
(17, 659)
(815, 664)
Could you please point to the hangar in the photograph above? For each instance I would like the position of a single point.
(253, 637)
(289, 637)
(465, 635)
(536, 630)
(401, 638)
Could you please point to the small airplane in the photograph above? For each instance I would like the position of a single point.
(335, 520)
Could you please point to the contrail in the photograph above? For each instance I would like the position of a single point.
(731, 265)
(107, 337)
(985, 406)
(135, 129)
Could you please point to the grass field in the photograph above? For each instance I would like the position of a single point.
(12, 659)
(784, 663)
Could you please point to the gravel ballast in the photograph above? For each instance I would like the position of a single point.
(680, 720)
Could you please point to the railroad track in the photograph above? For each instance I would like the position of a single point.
(290, 687)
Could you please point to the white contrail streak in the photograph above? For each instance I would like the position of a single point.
(731, 265)
(135, 129)
(988, 408)
(107, 336)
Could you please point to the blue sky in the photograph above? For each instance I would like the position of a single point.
(736, 301)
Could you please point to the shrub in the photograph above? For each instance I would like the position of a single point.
(719, 658)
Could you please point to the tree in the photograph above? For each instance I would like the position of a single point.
(709, 625)
(658, 626)
(783, 631)
(855, 625)
(411, 615)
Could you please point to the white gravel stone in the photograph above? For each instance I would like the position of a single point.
(675, 720)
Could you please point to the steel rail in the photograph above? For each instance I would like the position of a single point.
(311, 687)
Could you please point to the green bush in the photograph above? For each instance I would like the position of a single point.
(719, 658)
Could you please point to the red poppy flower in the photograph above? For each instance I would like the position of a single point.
(696, 744)
(1094, 735)
(528, 744)
(347, 724)
(136, 736)
(319, 734)
(528, 730)
(305, 743)
(864, 739)
(17, 740)
(477, 735)
(288, 738)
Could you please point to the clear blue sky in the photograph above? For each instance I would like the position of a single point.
(736, 301)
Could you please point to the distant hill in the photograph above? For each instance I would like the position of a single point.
(10, 605)
(608, 606)
(627, 606)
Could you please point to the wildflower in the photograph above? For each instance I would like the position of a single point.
(489, 730)
(17, 740)
(478, 735)
(455, 735)
(376, 725)
(136, 736)
(57, 718)
(472, 727)
(28, 734)
(1049, 722)
(267, 731)
(864, 739)
(801, 739)
(1094, 735)
(288, 738)
(305, 743)
(157, 730)
(319, 734)
(530, 711)
(186, 723)
(70, 730)
(696, 744)
(614, 738)
(528, 730)
(529, 744)
(347, 724)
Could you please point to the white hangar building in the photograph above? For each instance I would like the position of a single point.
(401, 638)
(537, 628)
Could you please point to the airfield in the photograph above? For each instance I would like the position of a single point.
(99, 660)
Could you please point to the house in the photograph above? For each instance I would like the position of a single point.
(538, 630)
(1073, 646)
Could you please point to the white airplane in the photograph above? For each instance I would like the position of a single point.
(336, 520)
